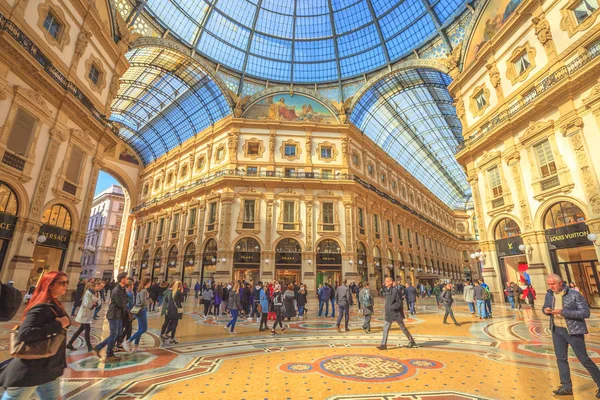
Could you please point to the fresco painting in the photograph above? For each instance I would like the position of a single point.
(495, 15)
(283, 107)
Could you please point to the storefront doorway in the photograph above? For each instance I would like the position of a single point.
(171, 270)
(144, 265)
(573, 256)
(155, 276)
(246, 261)
(361, 262)
(329, 263)
(288, 261)
(209, 263)
(189, 261)
(51, 243)
(512, 261)
(9, 208)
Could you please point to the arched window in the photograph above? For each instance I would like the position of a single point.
(328, 246)
(158, 257)
(506, 228)
(8, 200)
(145, 259)
(288, 252)
(58, 216)
(190, 250)
(211, 246)
(376, 252)
(562, 214)
(172, 258)
(289, 246)
(247, 245)
(361, 255)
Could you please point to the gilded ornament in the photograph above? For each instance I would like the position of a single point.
(494, 75)
(342, 108)
(542, 29)
(82, 41)
(239, 102)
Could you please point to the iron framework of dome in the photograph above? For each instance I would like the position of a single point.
(305, 41)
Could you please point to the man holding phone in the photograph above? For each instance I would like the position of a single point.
(568, 309)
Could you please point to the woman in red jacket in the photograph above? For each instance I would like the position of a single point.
(529, 294)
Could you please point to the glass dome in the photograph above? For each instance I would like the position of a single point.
(305, 41)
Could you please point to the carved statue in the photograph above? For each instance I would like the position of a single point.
(460, 109)
(233, 140)
(452, 61)
(341, 108)
(494, 74)
(125, 32)
(81, 43)
(113, 88)
(239, 102)
(542, 29)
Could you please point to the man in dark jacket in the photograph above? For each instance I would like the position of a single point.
(343, 297)
(411, 297)
(394, 313)
(78, 296)
(115, 314)
(516, 293)
(324, 296)
(568, 309)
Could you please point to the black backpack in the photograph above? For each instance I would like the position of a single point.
(10, 301)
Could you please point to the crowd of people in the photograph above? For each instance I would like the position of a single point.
(45, 320)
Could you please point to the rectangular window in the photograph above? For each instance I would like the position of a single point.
(175, 223)
(522, 63)
(253, 149)
(137, 232)
(400, 233)
(21, 132)
(389, 228)
(326, 152)
(192, 219)
(480, 100)
(584, 9)
(249, 210)
(408, 235)
(121, 206)
(74, 166)
(355, 159)
(52, 25)
(161, 226)
(495, 184)
(252, 171)
(376, 223)
(327, 216)
(220, 153)
(212, 213)
(289, 214)
(361, 219)
(290, 150)
(545, 159)
(94, 74)
(148, 229)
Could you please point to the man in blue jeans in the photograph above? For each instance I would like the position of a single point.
(343, 297)
(324, 295)
(332, 301)
(115, 315)
(479, 293)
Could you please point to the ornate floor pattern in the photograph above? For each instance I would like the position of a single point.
(508, 357)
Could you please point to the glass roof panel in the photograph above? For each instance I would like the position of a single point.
(401, 114)
(164, 99)
(266, 39)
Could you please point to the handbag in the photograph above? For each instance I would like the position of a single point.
(259, 308)
(135, 309)
(179, 310)
(130, 316)
(36, 349)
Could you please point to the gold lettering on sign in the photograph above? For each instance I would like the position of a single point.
(5, 225)
(574, 235)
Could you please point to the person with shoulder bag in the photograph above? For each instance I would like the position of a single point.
(366, 299)
(447, 300)
(128, 317)
(39, 344)
(263, 308)
(163, 312)
(89, 302)
(140, 309)
(234, 305)
(116, 310)
(175, 310)
(279, 307)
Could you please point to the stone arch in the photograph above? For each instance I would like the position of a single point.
(492, 225)
(302, 246)
(19, 191)
(341, 246)
(244, 236)
(205, 243)
(131, 189)
(538, 221)
(72, 210)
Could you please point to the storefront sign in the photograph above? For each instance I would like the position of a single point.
(568, 236)
(288, 258)
(329, 259)
(246, 257)
(7, 225)
(509, 246)
(55, 236)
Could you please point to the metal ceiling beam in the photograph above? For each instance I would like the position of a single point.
(438, 24)
(334, 35)
(247, 52)
(378, 27)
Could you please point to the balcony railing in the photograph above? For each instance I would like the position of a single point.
(536, 91)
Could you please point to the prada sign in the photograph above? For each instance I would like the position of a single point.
(7, 225)
(329, 259)
(55, 236)
(568, 236)
(288, 258)
(509, 246)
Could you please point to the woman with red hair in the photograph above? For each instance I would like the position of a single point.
(44, 316)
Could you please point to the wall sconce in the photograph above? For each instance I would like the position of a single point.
(309, 262)
(593, 237)
(223, 260)
(527, 249)
(39, 239)
(256, 248)
(478, 255)
(238, 248)
(402, 267)
(213, 259)
(377, 264)
(144, 265)
(360, 262)
(172, 263)
(267, 261)
(350, 262)
(412, 268)
(191, 262)
(157, 264)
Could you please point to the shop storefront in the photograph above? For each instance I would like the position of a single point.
(155, 276)
(51, 243)
(573, 255)
(361, 263)
(189, 271)
(329, 263)
(391, 271)
(288, 261)
(512, 261)
(246, 260)
(144, 265)
(8, 219)
(209, 262)
(378, 268)
(171, 270)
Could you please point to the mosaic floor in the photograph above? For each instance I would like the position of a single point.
(508, 357)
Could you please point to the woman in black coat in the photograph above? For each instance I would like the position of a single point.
(44, 317)
(175, 310)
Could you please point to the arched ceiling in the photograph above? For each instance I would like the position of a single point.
(164, 99)
(411, 116)
(305, 41)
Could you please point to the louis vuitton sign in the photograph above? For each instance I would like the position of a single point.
(568, 236)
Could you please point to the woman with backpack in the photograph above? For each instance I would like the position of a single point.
(366, 300)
